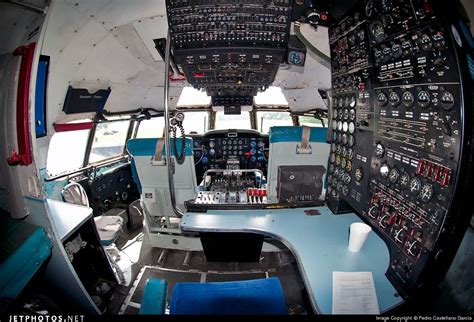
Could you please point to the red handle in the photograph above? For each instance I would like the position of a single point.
(23, 156)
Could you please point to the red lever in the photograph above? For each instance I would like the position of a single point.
(421, 167)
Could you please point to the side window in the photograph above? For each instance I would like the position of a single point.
(152, 128)
(66, 152)
(196, 122)
(312, 121)
(109, 140)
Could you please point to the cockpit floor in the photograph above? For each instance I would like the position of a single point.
(182, 266)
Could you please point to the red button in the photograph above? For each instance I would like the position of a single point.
(421, 167)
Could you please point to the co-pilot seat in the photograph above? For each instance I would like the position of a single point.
(295, 151)
(152, 176)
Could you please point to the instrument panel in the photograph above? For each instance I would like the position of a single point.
(214, 150)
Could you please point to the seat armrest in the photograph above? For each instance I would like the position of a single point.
(154, 297)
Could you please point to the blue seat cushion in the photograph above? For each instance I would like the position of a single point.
(260, 296)
(293, 134)
(154, 297)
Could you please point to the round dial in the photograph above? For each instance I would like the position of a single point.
(384, 171)
(346, 114)
(351, 140)
(352, 115)
(295, 58)
(378, 55)
(335, 100)
(387, 54)
(358, 174)
(361, 34)
(338, 160)
(394, 99)
(344, 139)
(339, 126)
(179, 116)
(447, 100)
(377, 31)
(334, 136)
(408, 99)
(397, 51)
(423, 99)
(335, 114)
(407, 48)
(333, 147)
(343, 163)
(393, 175)
(345, 190)
(350, 153)
(404, 180)
(415, 185)
(253, 144)
(345, 127)
(379, 150)
(349, 166)
(352, 102)
(425, 42)
(351, 127)
(426, 192)
(253, 151)
(334, 125)
(339, 137)
(438, 40)
(212, 144)
(382, 99)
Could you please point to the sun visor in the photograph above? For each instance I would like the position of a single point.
(79, 100)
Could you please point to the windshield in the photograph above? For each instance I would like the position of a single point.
(196, 122)
(267, 119)
(235, 122)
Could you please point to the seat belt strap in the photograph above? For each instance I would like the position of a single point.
(159, 149)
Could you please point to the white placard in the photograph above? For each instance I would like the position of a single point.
(354, 293)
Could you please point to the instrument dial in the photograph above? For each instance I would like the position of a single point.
(438, 40)
(358, 174)
(351, 140)
(384, 171)
(382, 99)
(404, 180)
(212, 144)
(379, 150)
(350, 153)
(423, 99)
(408, 99)
(426, 192)
(394, 99)
(394, 175)
(397, 51)
(352, 115)
(425, 42)
(447, 100)
(407, 48)
(415, 185)
(351, 127)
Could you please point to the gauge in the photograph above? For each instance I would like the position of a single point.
(349, 166)
(407, 48)
(387, 54)
(345, 190)
(408, 99)
(350, 153)
(378, 55)
(394, 99)
(394, 175)
(343, 163)
(358, 174)
(339, 126)
(338, 149)
(253, 144)
(423, 99)
(384, 171)
(404, 180)
(379, 150)
(343, 152)
(338, 160)
(345, 127)
(351, 140)
(341, 102)
(347, 178)
(224, 152)
(224, 142)
(346, 114)
(377, 31)
(334, 136)
(426, 192)
(212, 144)
(352, 102)
(397, 50)
(344, 139)
(212, 151)
(351, 127)
(352, 115)
(382, 99)
(352, 39)
(335, 114)
(240, 142)
(261, 144)
(333, 147)
(447, 100)
(234, 142)
(335, 100)
(296, 58)
(331, 170)
(438, 40)
(425, 42)
(339, 137)
(415, 185)
(253, 151)
(332, 158)
(361, 34)
(334, 125)
(196, 144)
(179, 116)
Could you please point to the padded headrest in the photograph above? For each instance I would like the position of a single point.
(146, 147)
(294, 134)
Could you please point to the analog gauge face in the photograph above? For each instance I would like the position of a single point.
(343, 152)
(377, 31)
(346, 99)
(261, 144)
(408, 99)
(352, 103)
(333, 147)
(407, 48)
(425, 42)
(345, 127)
(382, 99)
(387, 54)
(338, 149)
(339, 126)
(394, 99)
(331, 170)
(378, 55)
(358, 174)
(346, 114)
(343, 163)
(384, 171)
(340, 102)
(397, 51)
(345, 190)
(351, 127)
(253, 151)
(394, 175)
(350, 153)
(423, 99)
(352, 115)
(339, 137)
(404, 180)
(212, 151)
(415, 185)
(334, 125)
(296, 58)
(179, 116)
(447, 100)
(361, 34)
(379, 150)
(338, 160)
(344, 139)
(334, 136)
(426, 192)
(335, 114)
(212, 144)
(335, 100)
(349, 166)
(351, 141)
(438, 40)
(253, 144)
(332, 158)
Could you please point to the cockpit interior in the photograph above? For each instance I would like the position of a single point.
(236, 157)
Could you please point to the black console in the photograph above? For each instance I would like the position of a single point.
(401, 130)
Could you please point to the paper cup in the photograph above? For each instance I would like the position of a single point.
(358, 234)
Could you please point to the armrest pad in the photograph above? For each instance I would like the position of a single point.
(154, 297)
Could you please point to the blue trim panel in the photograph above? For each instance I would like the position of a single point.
(40, 93)
(467, 34)
(154, 297)
(135, 176)
(293, 134)
(146, 147)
